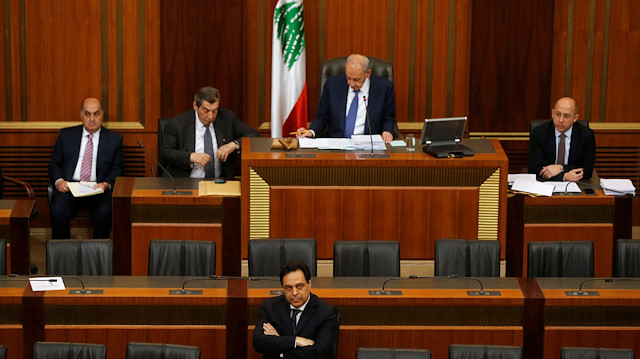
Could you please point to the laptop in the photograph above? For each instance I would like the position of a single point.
(441, 137)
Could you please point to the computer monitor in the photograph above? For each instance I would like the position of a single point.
(442, 131)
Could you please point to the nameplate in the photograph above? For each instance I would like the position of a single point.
(86, 291)
(385, 292)
(582, 293)
(185, 292)
(300, 155)
(483, 293)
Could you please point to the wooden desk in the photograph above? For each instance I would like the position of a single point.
(601, 219)
(11, 330)
(610, 320)
(410, 197)
(141, 213)
(431, 313)
(14, 226)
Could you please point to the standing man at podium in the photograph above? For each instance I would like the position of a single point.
(561, 149)
(87, 153)
(202, 142)
(342, 110)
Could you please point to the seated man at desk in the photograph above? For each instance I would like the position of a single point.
(561, 149)
(341, 116)
(297, 324)
(88, 153)
(202, 142)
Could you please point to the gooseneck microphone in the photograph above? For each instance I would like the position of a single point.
(366, 111)
(213, 277)
(173, 181)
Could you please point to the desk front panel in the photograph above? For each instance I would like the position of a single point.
(11, 316)
(609, 320)
(431, 313)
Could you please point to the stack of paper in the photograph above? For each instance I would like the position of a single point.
(363, 142)
(356, 142)
(617, 187)
(535, 187)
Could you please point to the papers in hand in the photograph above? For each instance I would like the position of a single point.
(617, 187)
(83, 189)
(40, 284)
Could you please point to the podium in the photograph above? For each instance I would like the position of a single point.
(142, 213)
(14, 226)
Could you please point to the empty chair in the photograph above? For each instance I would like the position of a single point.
(389, 353)
(596, 353)
(182, 258)
(628, 258)
(52, 350)
(3, 257)
(467, 258)
(161, 351)
(366, 259)
(560, 259)
(458, 351)
(3, 351)
(267, 256)
(80, 257)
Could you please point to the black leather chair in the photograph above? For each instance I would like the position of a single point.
(267, 256)
(3, 257)
(628, 258)
(161, 351)
(392, 353)
(366, 259)
(467, 258)
(3, 351)
(596, 353)
(457, 351)
(52, 350)
(182, 258)
(80, 257)
(560, 259)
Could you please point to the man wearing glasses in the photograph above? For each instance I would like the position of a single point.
(202, 142)
(297, 324)
(561, 149)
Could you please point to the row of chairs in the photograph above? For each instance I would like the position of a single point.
(351, 258)
(490, 352)
(55, 350)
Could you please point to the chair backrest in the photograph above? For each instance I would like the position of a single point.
(457, 351)
(392, 353)
(467, 258)
(161, 351)
(80, 257)
(336, 66)
(366, 259)
(3, 351)
(560, 259)
(52, 350)
(181, 258)
(628, 258)
(596, 353)
(267, 256)
(3, 257)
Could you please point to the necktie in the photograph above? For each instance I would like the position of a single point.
(351, 116)
(210, 168)
(85, 169)
(560, 160)
(294, 314)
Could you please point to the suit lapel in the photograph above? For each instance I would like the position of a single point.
(575, 143)
(285, 316)
(308, 313)
(191, 133)
(342, 96)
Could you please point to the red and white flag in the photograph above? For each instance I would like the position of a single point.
(288, 73)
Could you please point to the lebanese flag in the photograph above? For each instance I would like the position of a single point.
(288, 74)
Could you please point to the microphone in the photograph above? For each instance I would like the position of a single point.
(398, 278)
(173, 181)
(455, 276)
(211, 277)
(480, 292)
(371, 154)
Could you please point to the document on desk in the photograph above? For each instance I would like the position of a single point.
(567, 186)
(334, 143)
(307, 142)
(41, 284)
(617, 187)
(512, 177)
(535, 187)
(83, 189)
(363, 142)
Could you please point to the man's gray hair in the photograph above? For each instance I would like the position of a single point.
(209, 94)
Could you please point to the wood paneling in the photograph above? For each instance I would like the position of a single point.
(590, 337)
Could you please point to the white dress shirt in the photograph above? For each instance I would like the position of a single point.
(197, 170)
(361, 118)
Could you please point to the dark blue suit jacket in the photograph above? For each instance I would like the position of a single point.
(67, 150)
(331, 114)
(542, 149)
(318, 322)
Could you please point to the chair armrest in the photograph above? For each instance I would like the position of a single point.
(27, 187)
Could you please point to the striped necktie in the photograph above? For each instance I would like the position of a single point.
(85, 170)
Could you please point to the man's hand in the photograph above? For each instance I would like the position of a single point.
(200, 158)
(62, 186)
(306, 133)
(269, 329)
(550, 171)
(224, 151)
(574, 175)
(303, 342)
(387, 137)
(103, 185)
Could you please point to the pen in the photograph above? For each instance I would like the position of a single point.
(293, 133)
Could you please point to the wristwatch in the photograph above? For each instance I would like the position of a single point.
(561, 168)
(237, 144)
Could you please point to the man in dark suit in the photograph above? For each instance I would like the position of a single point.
(340, 116)
(186, 149)
(88, 153)
(561, 149)
(297, 324)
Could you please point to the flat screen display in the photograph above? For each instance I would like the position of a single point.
(447, 130)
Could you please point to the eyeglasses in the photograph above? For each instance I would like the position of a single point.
(299, 286)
